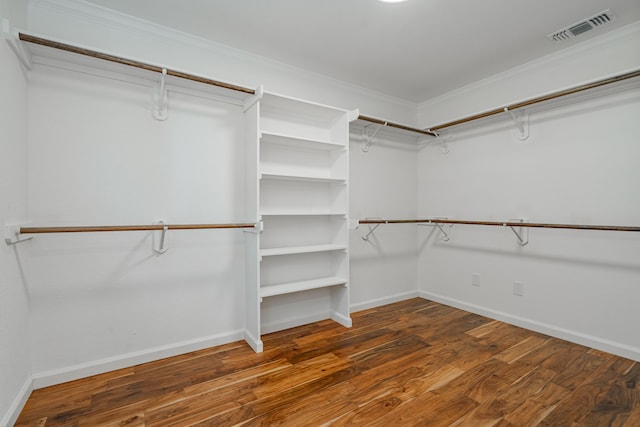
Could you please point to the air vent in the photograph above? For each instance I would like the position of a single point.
(583, 26)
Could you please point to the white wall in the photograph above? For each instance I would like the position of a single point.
(382, 185)
(580, 165)
(14, 307)
(98, 157)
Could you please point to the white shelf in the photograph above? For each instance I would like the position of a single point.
(292, 177)
(300, 143)
(287, 288)
(302, 213)
(301, 249)
(292, 108)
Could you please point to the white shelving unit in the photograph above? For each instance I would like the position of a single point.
(300, 192)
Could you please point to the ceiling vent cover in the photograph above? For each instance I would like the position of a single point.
(583, 26)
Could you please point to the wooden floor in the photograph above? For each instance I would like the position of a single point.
(411, 363)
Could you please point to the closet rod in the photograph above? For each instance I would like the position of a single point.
(87, 52)
(91, 229)
(500, 224)
(542, 98)
(396, 125)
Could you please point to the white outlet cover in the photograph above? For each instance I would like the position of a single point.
(518, 289)
(475, 279)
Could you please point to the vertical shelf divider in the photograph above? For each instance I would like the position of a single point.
(252, 238)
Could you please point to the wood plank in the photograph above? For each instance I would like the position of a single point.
(538, 406)
(616, 405)
(507, 399)
(580, 403)
(521, 349)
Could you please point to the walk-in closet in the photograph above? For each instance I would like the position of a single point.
(230, 213)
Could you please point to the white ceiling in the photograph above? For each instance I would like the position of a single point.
(414, 50)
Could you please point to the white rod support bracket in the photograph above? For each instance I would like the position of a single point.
(521, 121)
(257, 228)
(445, 233)
(12, 235)
(522, 234)
(253, 100)
(368, 139)
(445, 142)
(372, 229)
(424, 140)
(160, 101)
(161, 239)
(16, 45)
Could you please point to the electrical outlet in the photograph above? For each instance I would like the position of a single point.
(518, 289)
(475, 279)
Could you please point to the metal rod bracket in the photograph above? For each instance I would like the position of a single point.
(12, 235)
(444, 141)
(161, 242)
(521, 121)
(160, 101)
(446, 236)
(446, 233)
(372, 229)
(368, 139)
(257, 228)
(522, 234)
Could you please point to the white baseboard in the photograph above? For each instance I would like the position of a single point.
(267, 328)
(343, 320)
(612, 347)
(254, 343)
(383, 301)
(83, 370)
(15, 409)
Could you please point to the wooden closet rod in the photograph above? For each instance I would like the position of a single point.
(87, 52)
(543, 98)
(91, 229)
(500, 224)
(396, 125)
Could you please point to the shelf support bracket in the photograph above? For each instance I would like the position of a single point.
(162, 245)
(12, 235)
(522, 234)
(16, 45)
(160, 108)
(521, 121)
